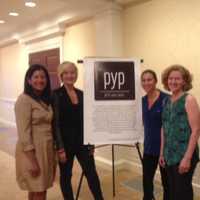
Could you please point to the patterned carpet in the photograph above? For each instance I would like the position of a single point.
(136, 185)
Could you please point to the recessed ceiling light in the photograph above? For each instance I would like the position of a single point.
(30, 4)
(15, 14)
(2, 21)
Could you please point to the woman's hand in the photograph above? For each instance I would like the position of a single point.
(62, 156)
(184, 165)
(161, 161)
(34, 168)
(91, 149)
(161, 157)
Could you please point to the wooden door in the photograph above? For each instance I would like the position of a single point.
(50, 59)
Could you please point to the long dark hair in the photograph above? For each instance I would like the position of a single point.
(45, 96)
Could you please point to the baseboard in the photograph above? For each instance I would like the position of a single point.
(7, 123)
(7, 115)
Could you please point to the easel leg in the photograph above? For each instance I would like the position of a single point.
(79, 186)
(139, 152)
(113, 169)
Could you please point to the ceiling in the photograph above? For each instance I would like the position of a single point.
(46, 12)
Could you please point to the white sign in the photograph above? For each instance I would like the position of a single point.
(112, 101)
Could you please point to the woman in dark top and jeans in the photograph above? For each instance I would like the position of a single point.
(68, 130)
(152, 104)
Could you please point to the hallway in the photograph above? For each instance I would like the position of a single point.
(158, 33)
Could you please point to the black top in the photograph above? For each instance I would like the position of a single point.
(152, 120)
(68, 119)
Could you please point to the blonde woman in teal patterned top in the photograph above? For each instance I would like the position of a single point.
(180, 132)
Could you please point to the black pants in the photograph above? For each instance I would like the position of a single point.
(86, 160)
(181, 184)
(150, 164)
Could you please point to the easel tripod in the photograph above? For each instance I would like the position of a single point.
(113, 166)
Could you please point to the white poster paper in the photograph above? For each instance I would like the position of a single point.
(112, 101)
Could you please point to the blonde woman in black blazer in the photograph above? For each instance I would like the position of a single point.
(68, 131)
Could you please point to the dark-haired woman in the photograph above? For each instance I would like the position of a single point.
(152, 105)
(35, 160)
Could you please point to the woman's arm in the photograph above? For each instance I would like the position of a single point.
(56, 128)
(56, 122)
(161, 158)
(34, 169)
(193, 114)
(23, 114)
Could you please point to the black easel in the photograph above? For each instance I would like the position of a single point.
(113, 166)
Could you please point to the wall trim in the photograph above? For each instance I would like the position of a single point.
(43, 34)
(39, 34)
(7, 123)
(8, 100)
(9, 103)
(7, 42)
(49, 43)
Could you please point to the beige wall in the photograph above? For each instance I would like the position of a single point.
(1, 68)
(165, 32)
(162, 32)
(13, 64)
(80, 42)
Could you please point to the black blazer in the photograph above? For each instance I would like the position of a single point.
(68, 119)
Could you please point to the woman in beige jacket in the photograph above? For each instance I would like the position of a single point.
(35, 161)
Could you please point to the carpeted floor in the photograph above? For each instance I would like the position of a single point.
(9, 190)
(128, 184)
(136, 185)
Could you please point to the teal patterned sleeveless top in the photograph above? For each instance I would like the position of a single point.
(176, 130)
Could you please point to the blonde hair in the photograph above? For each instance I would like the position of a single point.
(187, 77)
(63, 66)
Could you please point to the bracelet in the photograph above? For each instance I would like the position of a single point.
(61, 151)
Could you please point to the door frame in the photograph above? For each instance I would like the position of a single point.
(46, 45)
